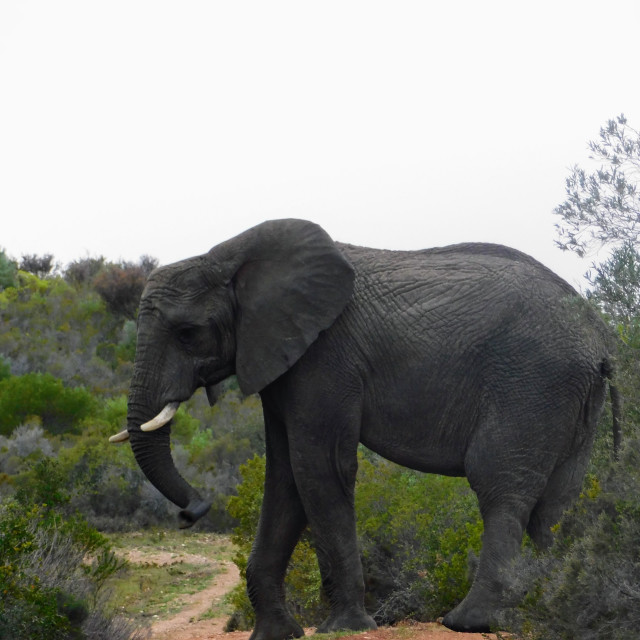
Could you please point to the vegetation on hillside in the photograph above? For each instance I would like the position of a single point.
(67, 344)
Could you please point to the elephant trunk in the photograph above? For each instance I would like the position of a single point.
(152, 451)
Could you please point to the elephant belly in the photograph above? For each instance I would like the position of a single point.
(430, 459)
(425, 440)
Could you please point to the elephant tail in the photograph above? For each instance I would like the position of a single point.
(608, 371)
(616, 414)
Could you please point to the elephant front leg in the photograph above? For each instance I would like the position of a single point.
(282, 520)
(326, 487)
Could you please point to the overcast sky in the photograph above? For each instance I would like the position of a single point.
(162, 128)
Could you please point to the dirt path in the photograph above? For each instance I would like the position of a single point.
(415, 631)
(186, 624)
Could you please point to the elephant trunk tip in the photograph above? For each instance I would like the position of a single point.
(188, 516)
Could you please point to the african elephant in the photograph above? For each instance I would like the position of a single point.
(470, 360)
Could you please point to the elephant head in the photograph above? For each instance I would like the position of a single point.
(251, 306)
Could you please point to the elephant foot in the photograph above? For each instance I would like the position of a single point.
(348, 621)
(476, 619)
(280, 629)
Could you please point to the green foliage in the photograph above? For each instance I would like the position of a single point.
(415, 532)
(53, 327)
(114, 412)
(126, 348)
(245, 509)
(44, 486)
(5, 368)
(105, 484)
(61, 409)
(54, 566)
(616, 284)
(8, 271)
(602, 207)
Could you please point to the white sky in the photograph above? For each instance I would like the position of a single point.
(153, 127)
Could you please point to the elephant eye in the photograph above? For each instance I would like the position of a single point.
(187, 334)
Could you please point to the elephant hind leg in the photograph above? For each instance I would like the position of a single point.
(503, 530)
(560, 493)
(508, 478)
(565, 481)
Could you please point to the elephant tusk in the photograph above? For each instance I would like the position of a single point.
(162, 418)
(120, 437)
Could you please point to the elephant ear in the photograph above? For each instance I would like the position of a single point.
(292, 284)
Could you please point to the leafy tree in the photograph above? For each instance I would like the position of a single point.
(40, 266)
(121, 285)
(8, 271)
(616, 284)
(603, 207)
(83, 271)
(148, 264)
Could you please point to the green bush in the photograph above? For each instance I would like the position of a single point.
(5, 368)
(60, 408)
(54, 566)
(415, 533)
(8, 271)
(104, 482)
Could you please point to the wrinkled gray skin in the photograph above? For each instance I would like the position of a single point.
(472, 360)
